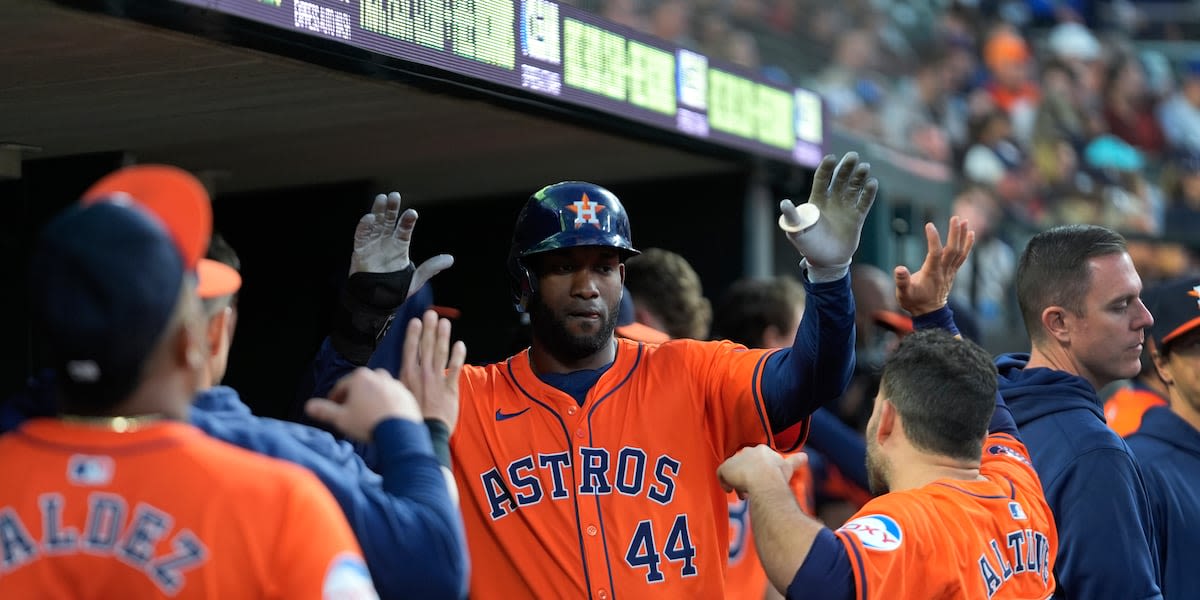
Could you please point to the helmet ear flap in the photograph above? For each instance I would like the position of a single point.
(527, 286)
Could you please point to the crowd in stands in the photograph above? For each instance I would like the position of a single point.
(1043, 113)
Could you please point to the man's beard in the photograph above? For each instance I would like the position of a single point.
(552, 332)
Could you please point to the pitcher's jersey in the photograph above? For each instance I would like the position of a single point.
(745, 578)
(962, 540)
(165, 512)
(617, 498)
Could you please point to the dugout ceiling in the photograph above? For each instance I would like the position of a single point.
(222, 98)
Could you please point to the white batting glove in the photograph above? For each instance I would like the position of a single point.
(827, 229)
(382, 239)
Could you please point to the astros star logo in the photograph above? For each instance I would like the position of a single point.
(585, 212)
(1194, 292)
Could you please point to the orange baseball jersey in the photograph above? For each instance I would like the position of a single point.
(1124, 409)
(959, 539)
(617, 498)
(165, 512)
(745, 579)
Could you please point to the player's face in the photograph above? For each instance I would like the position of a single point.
(574, 312)
(1106, 340)
(1182, 364)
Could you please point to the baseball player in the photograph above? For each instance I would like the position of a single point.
(118, 497)
(404, 517)
(948, 524)
(587, 463)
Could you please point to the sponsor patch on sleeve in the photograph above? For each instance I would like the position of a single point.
(348, 579)
(876, 532)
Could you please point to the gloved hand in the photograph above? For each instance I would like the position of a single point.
(381, 278)
(381, 243)
(842, 195)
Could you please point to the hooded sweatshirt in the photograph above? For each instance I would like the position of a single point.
(1168, 449)
(1092, 484)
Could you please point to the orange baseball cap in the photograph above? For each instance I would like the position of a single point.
(1005, 48)
(180, 201)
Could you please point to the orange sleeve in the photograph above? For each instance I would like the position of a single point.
(317, 554)
(730, 377)
(885, 556)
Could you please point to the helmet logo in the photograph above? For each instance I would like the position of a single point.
(1194, 292)
(585, 212)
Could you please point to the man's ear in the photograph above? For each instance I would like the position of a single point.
(887, 421)
(1161, 365)
(1056, 322)
(220, 326)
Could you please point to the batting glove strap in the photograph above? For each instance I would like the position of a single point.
(817, 274)
(439, 435)
(366, 310)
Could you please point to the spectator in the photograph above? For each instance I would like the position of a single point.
(1179, 115)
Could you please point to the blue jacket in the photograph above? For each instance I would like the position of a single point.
(1093, 485)
(405, 520)
(1168, 449)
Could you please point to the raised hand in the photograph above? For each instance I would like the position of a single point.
(382, 239)
(841, 197)
(362, 400)
(929, 288)
(430, 367)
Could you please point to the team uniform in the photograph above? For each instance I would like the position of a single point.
(165, 511)
(992, 539)
(583, 501)
(745, 579)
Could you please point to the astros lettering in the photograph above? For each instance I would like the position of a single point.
(111, 529)
(1028, 551)
(526, 479)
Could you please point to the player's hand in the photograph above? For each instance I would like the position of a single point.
(431, 365)
(758, 465)
(843, 197)
(362, 400)
(929, 288)
(381, 243)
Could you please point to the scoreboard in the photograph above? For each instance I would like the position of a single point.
(567, 54)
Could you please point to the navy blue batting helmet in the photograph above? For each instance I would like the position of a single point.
(565, 215)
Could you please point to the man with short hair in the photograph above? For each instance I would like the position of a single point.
(1079, 296)
(117, 496)
(946, 523)
(1168, 442)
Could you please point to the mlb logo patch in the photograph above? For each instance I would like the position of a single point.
(876, 532)
(89, 470)
(1016, 511)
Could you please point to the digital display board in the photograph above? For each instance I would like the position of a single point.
(568, 54)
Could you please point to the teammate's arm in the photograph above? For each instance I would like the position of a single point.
(842, 194)
(801, 557)
(416, 541)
